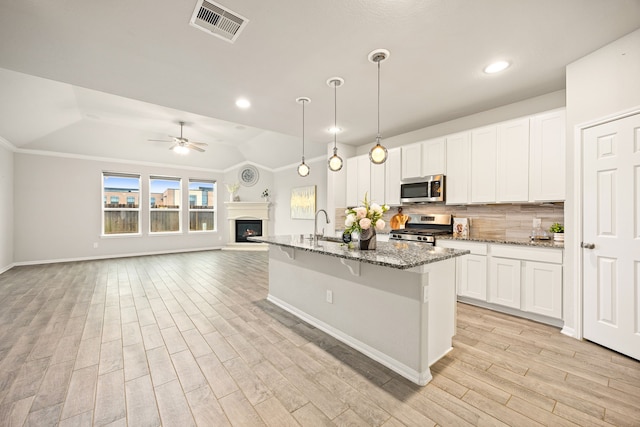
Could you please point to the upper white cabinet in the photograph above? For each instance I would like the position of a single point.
(412, 161)
(512, 178)
(458, 167)
(378, 173)
(393, 176)
(547, 158)
(483, 164)
(434, 157)
(358, 179)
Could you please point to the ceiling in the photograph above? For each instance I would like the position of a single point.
(100, 78)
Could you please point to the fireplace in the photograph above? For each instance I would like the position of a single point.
(248, 228)
(247, 219)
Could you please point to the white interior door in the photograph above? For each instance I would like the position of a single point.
(611, 235)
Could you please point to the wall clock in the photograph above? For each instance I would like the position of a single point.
(248, 175)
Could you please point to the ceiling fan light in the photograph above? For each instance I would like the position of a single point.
(180, 149)
(378, 154)
(303, 169)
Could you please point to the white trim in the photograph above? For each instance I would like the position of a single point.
(115, 256)
(295, 165)
(577, 331)
(420, 378)
(7, 268)
(7, 144)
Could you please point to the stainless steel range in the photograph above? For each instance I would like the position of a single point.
(424, 228)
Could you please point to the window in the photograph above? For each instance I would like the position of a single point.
(201, 205)
(165, 200)
(120, 218)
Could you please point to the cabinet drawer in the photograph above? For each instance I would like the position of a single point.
(526, 253)
(475, 247)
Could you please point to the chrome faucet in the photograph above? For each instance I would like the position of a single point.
(315, 225)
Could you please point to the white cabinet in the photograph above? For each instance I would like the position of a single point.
(483, 164)
(458, 158)
(471, 269)
(358, 179)
(412, 161)
(433, 157)
(543, 288)
(504, 282)
(378, 173)
(393, 176)
(547, 157)
(352, 181)
(512, 177)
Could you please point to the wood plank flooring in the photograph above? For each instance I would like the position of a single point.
(189, 339)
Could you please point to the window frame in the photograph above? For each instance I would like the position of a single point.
(178, 209)
(211, 197)
(105, 209)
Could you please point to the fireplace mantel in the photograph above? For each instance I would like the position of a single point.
(247, 210)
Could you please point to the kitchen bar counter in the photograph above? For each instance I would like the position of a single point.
(505, 241)
(394, 254)
(395, 304)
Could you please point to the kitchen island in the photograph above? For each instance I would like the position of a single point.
(395, 304)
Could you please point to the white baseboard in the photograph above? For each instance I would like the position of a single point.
(246, 247)
(570, 332)
(53, 261)
(6, 268)
(420, 378)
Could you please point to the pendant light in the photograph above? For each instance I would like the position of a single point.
(378, 153)
(335, 161)
(303, 168)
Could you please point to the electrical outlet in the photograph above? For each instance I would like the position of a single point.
(537, 222)
(95, 245)
(330, 297)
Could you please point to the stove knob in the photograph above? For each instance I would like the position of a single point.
(419, 237)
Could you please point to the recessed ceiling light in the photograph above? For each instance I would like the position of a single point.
(243, 103)
(333, 129)
(496, 67)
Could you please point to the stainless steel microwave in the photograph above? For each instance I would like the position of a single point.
(423, 190)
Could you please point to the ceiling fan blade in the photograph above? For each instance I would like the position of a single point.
(193, 147)
(173, 146)
(159, 140)
(199, 144)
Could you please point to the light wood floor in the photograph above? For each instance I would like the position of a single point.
(189, 339)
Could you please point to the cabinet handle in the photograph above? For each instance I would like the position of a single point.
(588, 245)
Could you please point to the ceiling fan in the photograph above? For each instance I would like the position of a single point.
(181, 144)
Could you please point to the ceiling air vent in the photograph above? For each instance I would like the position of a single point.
(218, 20)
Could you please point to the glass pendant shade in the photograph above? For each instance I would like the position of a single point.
(303, 168)
(378, 153)
(180, 149)
(335, 161)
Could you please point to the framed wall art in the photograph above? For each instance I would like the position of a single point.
(303, 202)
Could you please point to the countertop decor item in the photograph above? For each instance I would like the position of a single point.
(558, 231)
(364, 220)
(460, 227)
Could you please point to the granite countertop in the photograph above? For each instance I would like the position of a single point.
(400, 255)
(505, 241)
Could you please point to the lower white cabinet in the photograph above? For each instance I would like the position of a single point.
(504, 282)
(543, 288)
(524, 278)
(471, 280)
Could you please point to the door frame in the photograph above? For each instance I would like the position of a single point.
(576, 237)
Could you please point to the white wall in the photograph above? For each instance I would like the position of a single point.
(58, 211)
(603, 83)
(6, 208)
(286, 179)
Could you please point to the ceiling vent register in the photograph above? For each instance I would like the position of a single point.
(218, 20)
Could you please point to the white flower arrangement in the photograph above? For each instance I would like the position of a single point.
(232, 188)
(363, 217)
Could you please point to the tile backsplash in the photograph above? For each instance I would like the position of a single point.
(490, 221)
